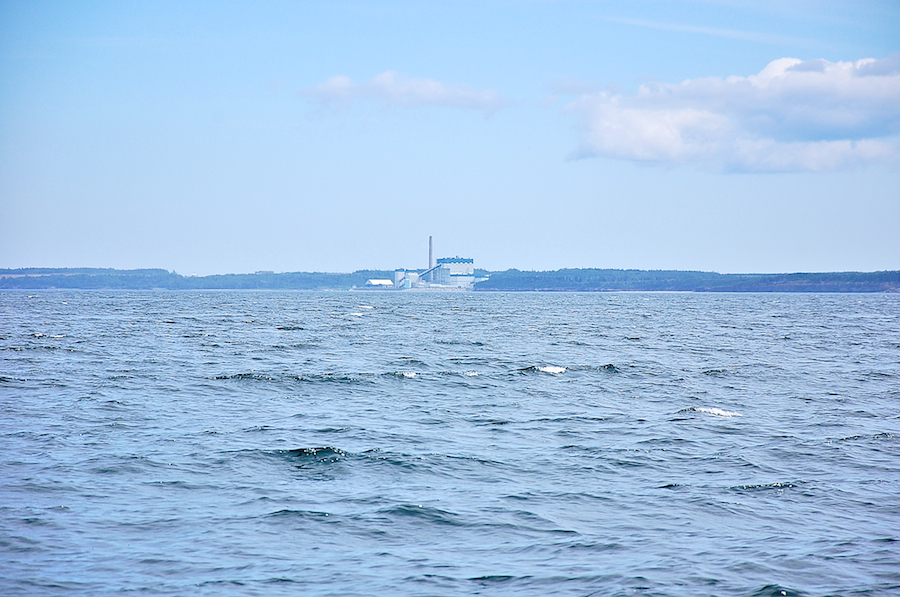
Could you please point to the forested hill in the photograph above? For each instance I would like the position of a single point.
(145, 279)
(584, 280)
(588, 280)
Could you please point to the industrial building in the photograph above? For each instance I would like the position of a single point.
(458, 272)
(449, 273)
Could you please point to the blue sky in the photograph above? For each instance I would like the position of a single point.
(333, 136)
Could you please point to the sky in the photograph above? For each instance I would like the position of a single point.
(233, 137)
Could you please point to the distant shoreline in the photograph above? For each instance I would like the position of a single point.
(563, 280)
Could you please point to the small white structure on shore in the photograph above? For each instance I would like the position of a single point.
(382, 283)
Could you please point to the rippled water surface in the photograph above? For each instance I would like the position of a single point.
(376, 443)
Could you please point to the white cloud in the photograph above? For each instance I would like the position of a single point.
(394, 89)
(793, 115)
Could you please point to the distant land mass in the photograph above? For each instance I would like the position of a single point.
(148, 279)
(563, 280)
(600, 280)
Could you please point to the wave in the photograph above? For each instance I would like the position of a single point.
(877, 436)
(559, 369)
(425, 514)
(293, 378)
(569, 418)
(330, 378)
(551, 369)
(245, 376)
(778, 486)
(327, 460)
(298, 514)
(410, 368)
(402, 374)
(776, 591)
(716, 412)
(323, 454)
(409, 362)
(252, 377)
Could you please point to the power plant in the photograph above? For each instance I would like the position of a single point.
(449, 273)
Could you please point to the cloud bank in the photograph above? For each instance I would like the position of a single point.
(394, 89)
(792, 116)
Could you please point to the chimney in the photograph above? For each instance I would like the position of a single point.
(430, 253)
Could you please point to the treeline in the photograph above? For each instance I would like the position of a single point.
(597, 280)
(577, 280)
(147, 279)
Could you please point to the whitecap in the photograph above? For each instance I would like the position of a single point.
(470, 373)
(409, 374)
(364, 307)
(718, 412)
(552, 369)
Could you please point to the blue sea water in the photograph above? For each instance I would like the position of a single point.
(379, 443)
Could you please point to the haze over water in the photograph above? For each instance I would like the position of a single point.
(372, 443)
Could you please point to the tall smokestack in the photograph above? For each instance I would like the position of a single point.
(430, 253)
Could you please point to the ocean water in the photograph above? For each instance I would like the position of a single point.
(377, 443)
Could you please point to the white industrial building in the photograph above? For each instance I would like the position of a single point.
(458, 272)
(450, 273)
